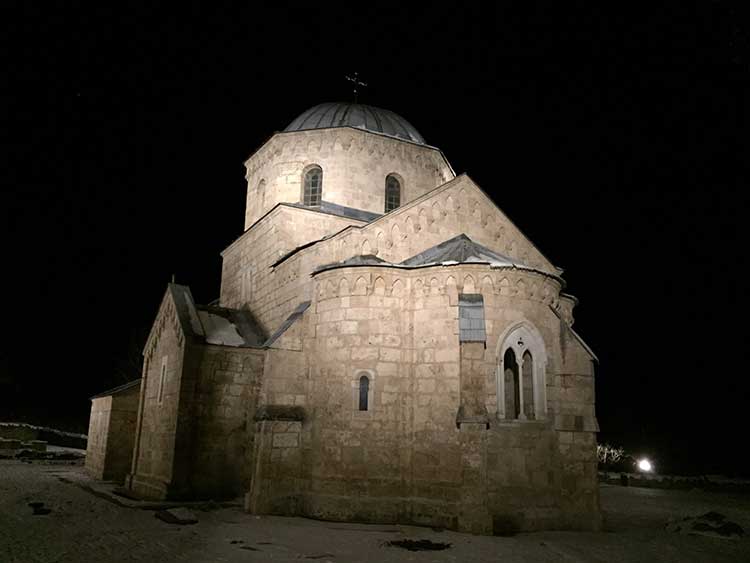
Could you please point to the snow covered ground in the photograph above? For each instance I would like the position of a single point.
(82, 526)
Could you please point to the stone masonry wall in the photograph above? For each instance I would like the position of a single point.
(355, 164)
(284, 378)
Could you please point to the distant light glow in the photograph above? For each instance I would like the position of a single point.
(645, 465)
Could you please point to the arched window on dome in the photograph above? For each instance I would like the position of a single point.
(392, 193)
(312, 186)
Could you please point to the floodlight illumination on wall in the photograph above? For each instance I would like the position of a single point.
(645, 465)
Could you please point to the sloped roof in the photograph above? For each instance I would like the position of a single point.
(362, 260)
(457, 250)
(118, 389)
(286, 325)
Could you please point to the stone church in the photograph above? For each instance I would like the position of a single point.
(387, 347)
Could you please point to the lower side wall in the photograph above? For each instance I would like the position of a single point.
(122, 421)
(109, 452)
(511, 477)
(96, 448)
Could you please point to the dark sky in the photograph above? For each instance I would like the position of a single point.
(615, 140)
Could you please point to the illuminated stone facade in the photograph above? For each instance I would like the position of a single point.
(412, 366)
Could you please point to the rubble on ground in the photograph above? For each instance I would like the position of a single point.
(178, 515)
(711, 524)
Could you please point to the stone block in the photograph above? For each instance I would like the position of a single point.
(367, 353)
(446, 354)
(286, 440)
(389, 398)
(390, 354)
(426, 386)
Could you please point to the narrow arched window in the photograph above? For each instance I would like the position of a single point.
(512, 389)
(392, 193)
(528, 385)
(364, 392)
(313, 186)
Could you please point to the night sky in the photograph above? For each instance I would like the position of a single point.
(615, 140)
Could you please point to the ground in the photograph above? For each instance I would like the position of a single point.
(85, 527)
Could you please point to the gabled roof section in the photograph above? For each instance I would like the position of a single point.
(463, 250)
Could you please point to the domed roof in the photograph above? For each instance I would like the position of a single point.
(366, 117)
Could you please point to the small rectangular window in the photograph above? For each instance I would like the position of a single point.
(162, 379)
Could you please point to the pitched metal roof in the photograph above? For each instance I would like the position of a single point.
(463, 250)
(458, 250)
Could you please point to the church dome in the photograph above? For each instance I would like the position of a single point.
(362, 116)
